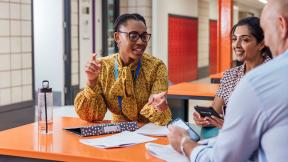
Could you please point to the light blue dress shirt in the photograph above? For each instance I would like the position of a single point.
(256, 118)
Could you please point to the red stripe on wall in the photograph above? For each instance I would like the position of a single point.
(182, 48)
(213, 46)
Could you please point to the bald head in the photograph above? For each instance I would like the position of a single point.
(274, 21)
(281, 6)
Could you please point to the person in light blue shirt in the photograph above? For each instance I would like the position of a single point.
(257, 115)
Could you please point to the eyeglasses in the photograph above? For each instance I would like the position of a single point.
(134, 36)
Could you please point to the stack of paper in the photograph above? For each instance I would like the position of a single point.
(122, 139)
(153, 130)
(165, 152)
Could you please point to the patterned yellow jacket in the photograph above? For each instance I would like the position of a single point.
(92, 104)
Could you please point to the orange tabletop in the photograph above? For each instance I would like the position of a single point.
(179, 94)
(24, 141)
(215, 78)
(188, 90)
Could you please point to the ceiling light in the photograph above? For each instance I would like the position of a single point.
(263, 1)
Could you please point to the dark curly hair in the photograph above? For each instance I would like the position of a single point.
(122, 19)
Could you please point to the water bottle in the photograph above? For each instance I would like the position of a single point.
(45, 108)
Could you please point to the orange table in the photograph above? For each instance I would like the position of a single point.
(179, 95)
(24, 141)
(215, 78)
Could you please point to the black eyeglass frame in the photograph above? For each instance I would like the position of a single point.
(139, 35)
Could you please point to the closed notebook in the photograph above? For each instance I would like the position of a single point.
(100, 129)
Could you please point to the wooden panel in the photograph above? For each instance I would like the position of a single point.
(182, 48)
(213, 46)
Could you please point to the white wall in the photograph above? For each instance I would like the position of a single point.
(213, 9)
(49, 43)
(160, 11)
(85, 35)
(203, 33)
(85, 38)
(247, 8)
(98, 30)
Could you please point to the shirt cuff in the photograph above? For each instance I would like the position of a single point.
(90, 93)
(150, 113)
(196, 151)
(156, 116)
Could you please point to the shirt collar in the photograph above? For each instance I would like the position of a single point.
(243, 67)
(132, 66)
(284, 54)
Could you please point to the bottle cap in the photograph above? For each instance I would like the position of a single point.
(45, 87)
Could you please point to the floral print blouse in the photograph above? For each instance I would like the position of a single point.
(230, 79)
(92, 104)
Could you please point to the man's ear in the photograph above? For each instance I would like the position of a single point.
(283, 26)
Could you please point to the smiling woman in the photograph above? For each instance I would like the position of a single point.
(125, 82)
(248, 46)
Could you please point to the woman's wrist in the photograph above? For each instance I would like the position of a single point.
(92, 83)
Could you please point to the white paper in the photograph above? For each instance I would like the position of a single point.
(122, 139)
(165, 152)
(153, 130)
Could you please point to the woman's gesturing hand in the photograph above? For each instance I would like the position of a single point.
(159, 101)
(92, 70)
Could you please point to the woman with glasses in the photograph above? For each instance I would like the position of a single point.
(131, 83)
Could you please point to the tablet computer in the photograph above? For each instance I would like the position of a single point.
(192, 133)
